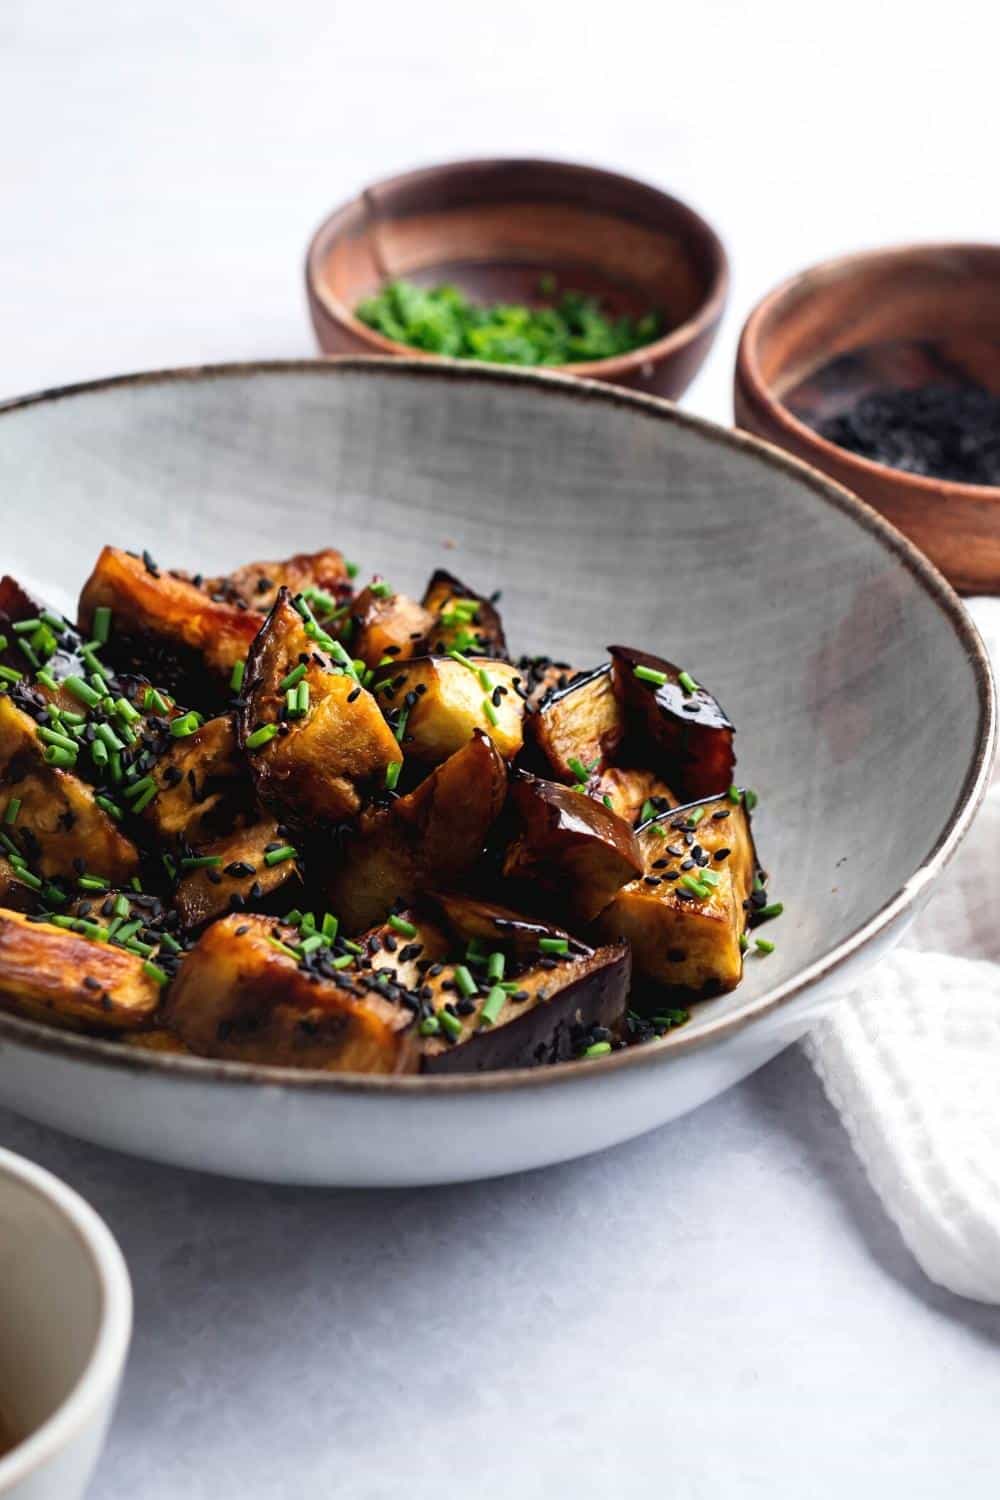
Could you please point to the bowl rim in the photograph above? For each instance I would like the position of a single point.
(704, 318)
(99, 1379)
(748, 368)
(692, 1036)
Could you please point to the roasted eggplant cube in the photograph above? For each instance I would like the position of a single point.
(386, 624)
(580, 727)
(48, 973)
(323, 577)
(557, 1001)
(631, 792)
(462, 620)
(572, 849)
(321, 762)
(202, 780)
(684, 927)
(59, 828)
(236, 874)
(680, 722)
(437, 959)
(242, 994)
(165, 627)
(439, 702)
(430, 837)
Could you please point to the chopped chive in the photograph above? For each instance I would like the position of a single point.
(342, 658)
(121, 907)
(237, 675)
(11, 811)
(111, 808)
(28, 652)
(106, 734)
(141, 803)
(59, 757)
(283, 948)
(168, 941)
(99, 753)
(401, 722)
(154, 972)
(116, 768)
(734, 794)
(92, 883)
(261, 736)
(490, 711)
(608, 802)
(311, 943)
(90, 658)
(465, 981)
(596, 1049)
(7, 674)
(695, 817)
(144, 950)
(692, 883)
(492, 1005)
(774, 910)
(402, 926)
(351, 569)
(380, 590)
(744, 942)
(3, 642)
(278, 856)
(353, 947)
(553, 945)
(102, 624)
(750, 800)
(303, 698)
(138, 787)
(763, 945)
(687, 682)
(429, 1026)
(185, 725)
(136, 884)
(450, 1025)
(54, 894)
(578, 768)
(495, 967)
(462, 660)
(485, 680)
(170, 867)
(342, 962)
(155, 702)
(392, 771)
(82, 690)
(9, 845)
(648, 811)
(709, 878)
(25, 877)
(330, 926)
(53, 737)
(47, 680)
(201, 862)
(25, 627)
(650, 674)
(124, 710)
(293, 679)
(291, 704)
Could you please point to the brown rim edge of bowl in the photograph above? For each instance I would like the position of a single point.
(705, 317)
(690, 1037)
(748, 372)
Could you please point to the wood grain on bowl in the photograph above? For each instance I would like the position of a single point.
(943, 298)
(496, 227)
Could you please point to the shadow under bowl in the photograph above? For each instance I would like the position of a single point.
(496, 228)
(912, 316)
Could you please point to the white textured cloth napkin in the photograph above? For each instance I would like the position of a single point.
(911, 1061)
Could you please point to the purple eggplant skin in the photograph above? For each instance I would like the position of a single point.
(595, 994)
(688, 733)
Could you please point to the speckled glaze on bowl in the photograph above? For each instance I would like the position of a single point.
(862, 694)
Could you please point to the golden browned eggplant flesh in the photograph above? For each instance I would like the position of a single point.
(292, 816)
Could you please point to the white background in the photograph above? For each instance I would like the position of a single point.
(718, 1310)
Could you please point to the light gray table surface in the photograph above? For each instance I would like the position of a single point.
(720, 1309)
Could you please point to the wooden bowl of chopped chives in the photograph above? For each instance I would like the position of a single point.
(532, 263)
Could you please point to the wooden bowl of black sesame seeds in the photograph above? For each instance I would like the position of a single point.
(629, 282)
(883, 370)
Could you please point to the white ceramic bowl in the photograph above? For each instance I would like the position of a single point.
(65, 1323)
(862, 696)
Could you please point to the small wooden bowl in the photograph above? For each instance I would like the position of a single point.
(495, 228)
(938, 307)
